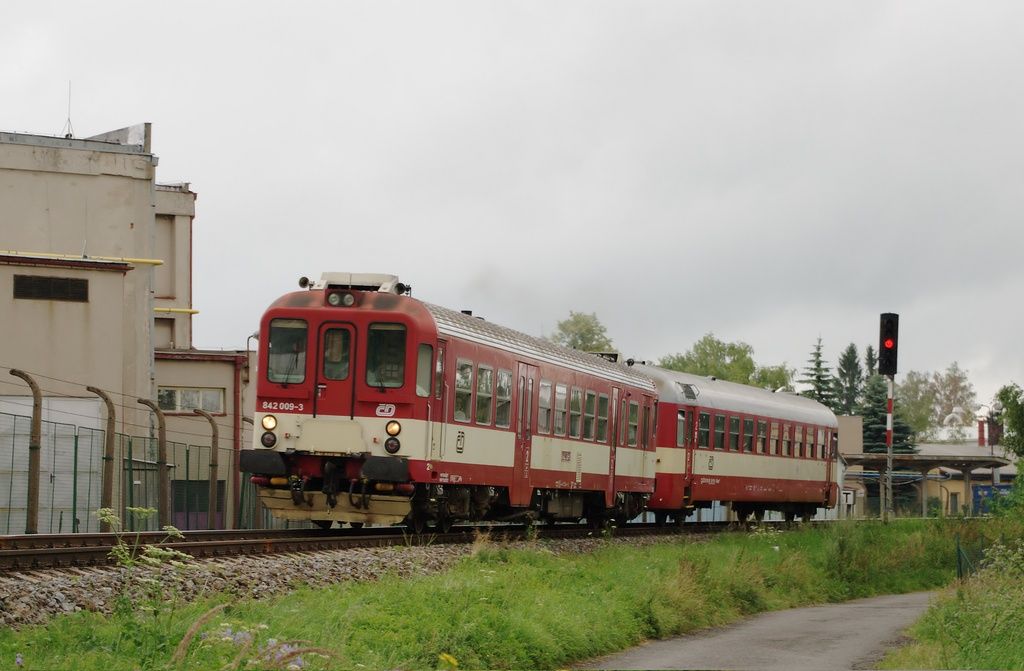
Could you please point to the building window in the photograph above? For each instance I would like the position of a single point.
(187, 399)
(503, 412)
(463, 389)
(484, 392)
(38, 287)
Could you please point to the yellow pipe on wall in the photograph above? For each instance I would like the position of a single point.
(73, 257)
(180, 311)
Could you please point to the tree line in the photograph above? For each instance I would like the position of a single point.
(927, 406)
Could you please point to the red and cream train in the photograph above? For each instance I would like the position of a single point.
(375, 407)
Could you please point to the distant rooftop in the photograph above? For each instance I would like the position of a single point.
(135, 139)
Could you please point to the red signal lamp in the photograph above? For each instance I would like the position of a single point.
(889, 343)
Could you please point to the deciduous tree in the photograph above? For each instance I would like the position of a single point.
(916, 395)
(732, 361)
(582, 331)
(1011, 397)
(955, 400)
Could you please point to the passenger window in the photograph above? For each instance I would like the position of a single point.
(762, 435)
(748, 435)
(463, 390)
(544, 408)
(775, 438)
(424, 358)
(719, 432)
(734, 434)
(503, 409)
(589, 415)
(575, 410)
(561, 391)
(704, 430)
(787, 437)
(681, 428)
(602, 418)
(484, 393)
(336, 354)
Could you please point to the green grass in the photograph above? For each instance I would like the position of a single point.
(512, 609)
(977, 623)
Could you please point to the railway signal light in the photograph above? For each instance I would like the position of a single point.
(888, 341)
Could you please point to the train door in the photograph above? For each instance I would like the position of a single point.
(336, 352)
(438, 406)
(521, 491)
(609, 492)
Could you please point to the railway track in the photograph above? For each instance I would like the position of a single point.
(42, 551)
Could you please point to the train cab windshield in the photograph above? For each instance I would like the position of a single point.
(286, 362)
(385, 356)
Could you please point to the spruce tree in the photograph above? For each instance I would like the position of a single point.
(870, 362)
(818, 376)
(873, 410)
(849, 381)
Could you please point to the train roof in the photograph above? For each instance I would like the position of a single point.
(709, 392)
(467, 327)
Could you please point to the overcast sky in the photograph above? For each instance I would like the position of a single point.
(770, 172)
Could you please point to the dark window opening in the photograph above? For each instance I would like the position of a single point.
(36, 287)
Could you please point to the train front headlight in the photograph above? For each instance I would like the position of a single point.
(269, 422)
(268, 439)
(392, 445)
(393, 428)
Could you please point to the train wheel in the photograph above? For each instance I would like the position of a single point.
(356, 525)
(660, 517)
(324, 524)
(444, 524)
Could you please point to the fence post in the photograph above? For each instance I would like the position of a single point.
(34, 449)
(214, 463)
(162, 481)
(107, 492)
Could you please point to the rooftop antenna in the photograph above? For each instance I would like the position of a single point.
(68, 131)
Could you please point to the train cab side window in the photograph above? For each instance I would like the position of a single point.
(544, 408)
(561, 397)
(681, 428)
(734, 434)
(484, 393)
(748, 435)
(439, 374)
(589, 415)
(336, 353)
(602, 418)
(503, 406)
(775, 438)
(704, 430)
(634, 424)
(286, 361)
(762, 435)
(463, 390)
(575, 410)
(719, 432)
(385, 356)
(424, 357)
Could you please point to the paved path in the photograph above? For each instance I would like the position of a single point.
(851, 635)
